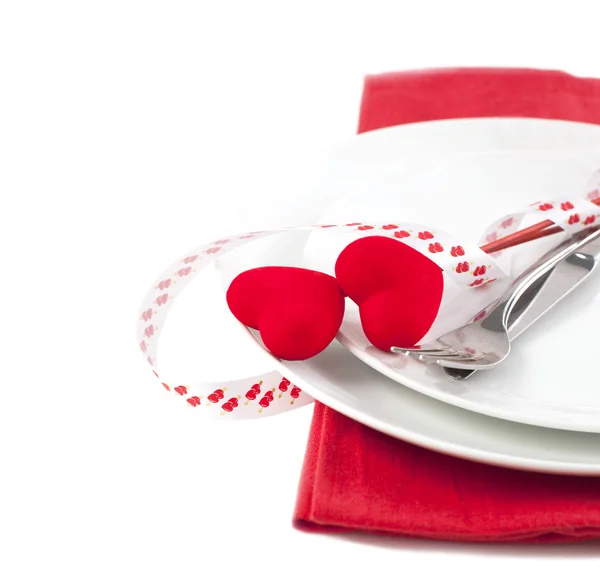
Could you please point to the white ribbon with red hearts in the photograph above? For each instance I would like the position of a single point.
(571, 215)
(271, 393)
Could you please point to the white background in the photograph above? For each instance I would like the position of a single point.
(131, 132)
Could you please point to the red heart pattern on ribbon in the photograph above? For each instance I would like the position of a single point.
(272, 393)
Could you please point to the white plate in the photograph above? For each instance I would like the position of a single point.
(459, 176)
(342, 382)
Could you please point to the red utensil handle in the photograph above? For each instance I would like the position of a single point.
(541, 229)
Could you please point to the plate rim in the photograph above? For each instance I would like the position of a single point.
(371, 135)
(427, 440)
(459, 401)
(430, 442)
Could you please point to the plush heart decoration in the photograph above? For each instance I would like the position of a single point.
(297, 311)
(398, 290)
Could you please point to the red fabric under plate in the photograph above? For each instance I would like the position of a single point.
(400, 98)
(356, 479)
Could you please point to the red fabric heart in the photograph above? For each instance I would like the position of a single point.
(398, 290)
(297, 311)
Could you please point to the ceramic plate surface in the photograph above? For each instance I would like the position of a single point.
(459, 176)
(344, 383)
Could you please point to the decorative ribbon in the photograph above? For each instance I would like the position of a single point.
(271, 393)
(570, 215)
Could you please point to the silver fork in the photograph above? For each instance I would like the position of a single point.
(484, 344)
(545, 293)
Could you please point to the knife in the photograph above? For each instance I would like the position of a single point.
(545, 293)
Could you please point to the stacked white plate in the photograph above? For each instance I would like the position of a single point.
(540, 409)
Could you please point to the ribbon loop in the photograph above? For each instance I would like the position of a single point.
(271, 393)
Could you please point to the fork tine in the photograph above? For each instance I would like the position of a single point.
(453, 355)
(419, 350)
(440, 353)
(456, 363)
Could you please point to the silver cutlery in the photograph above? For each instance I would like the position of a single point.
(485, 343)
(544, 294)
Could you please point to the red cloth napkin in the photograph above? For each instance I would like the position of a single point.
(357, 479)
